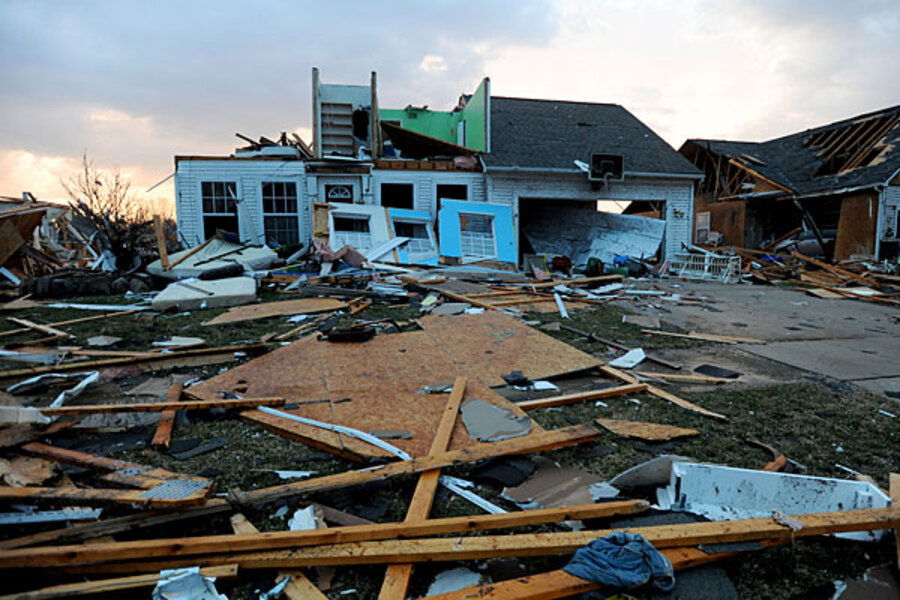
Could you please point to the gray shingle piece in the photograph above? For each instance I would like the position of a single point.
(551, 134)
(794, 165)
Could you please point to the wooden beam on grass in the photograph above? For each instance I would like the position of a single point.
(163, 435)
(664, 395)
(150, 497)
(93, 409)
(397, 577)
(630, 388)
(299, 587)
(70, 322)
(685, 378)
(105, 586)
(535, 442)
(193, 547)
(707, 337)
(45, 329)
(482, 547)
(161, 241)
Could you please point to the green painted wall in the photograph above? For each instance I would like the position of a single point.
(443, 124)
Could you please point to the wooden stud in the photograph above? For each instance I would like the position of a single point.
(188, 254)
(315, 538)
(535, 442)
(300, 587)
(45, 329)
(163, 435)
(706, 337)
(71, 322)
(104, 586)
(93, 409)
(659, 393)
(396, 580)
(161, 241)
(98, 496)
(631, 388)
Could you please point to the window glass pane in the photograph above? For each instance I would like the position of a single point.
(477, 235)
(282, 230)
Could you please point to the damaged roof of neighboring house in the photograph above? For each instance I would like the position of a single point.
(552, 134)
(854, 153)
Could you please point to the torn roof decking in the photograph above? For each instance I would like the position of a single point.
(552, 134)
(383, 377)
(863, 149)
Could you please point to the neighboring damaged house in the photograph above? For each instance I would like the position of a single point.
(491, 179)
(838, 183)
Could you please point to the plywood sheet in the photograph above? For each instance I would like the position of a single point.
(373, 385)
(492, 344)
(251, 312)
(652, 432)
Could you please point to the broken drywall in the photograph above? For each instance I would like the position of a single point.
(487, 422)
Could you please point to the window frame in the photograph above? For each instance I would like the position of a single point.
(492, 218)
(234, 200)
(410, 184)
(296, 214)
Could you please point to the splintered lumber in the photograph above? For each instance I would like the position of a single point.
(299, 587)
(707, 337)
(159, 361)
(45, 329)
(652, 432)
(163, 434)
(111, 585)
(535, 442)
(86, 531)
(684, 377)
(92, 409)
(659, 393)
(161, 242)
(81, 554)
(451, 549)
(467, 299)
(70, 322)
(631, 388)
(834, 269)
(397, 577)
(154, 497)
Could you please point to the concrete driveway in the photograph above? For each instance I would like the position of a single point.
(849, 340)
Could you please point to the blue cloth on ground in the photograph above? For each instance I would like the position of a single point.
(623, 561)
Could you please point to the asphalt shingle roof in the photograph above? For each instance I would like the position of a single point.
(792, 164)
(552, 134)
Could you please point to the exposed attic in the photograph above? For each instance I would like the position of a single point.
(852, 145)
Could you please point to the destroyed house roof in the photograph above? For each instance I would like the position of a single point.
(858, 152)
(552, 134)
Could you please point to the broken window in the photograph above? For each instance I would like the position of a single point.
(398, 195)
(477, 235)
(279, 201)
(351, 230)
(219, 201)
(452, 191)
(417, 232)
(342, 192)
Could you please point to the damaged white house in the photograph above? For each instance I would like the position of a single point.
(494, 178)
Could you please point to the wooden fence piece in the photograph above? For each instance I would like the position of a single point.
(536, 442)
(396, 579)
(299, 587)
(69, 590)
(168, 405)
(163, 434)
(234, 544)
(631, 388)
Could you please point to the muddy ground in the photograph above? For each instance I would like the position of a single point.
(817, 422)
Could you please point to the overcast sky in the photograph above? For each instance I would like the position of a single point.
(134, 83)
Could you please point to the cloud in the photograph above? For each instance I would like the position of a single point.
(433, 63)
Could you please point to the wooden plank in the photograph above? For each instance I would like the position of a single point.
(631, 388)
(105, 586)
(397, 577)
(536, 442)
(467, 299)
(653, 432)
(99, 496)
(481, 547)
(179, 358)
(45, 329)
(188, 254)
(300, 587)
(163, 434)
(233, 544)
(93, 409)
(686, 378)
(707, 337)
(161, 241)
(252, 312)
(659, 393)
(576, 282)
(102, 317)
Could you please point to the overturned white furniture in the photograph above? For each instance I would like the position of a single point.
(724, 493)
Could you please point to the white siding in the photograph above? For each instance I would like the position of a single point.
(249, 175)
(678, 194)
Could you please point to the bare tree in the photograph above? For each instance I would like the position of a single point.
(106, 201)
